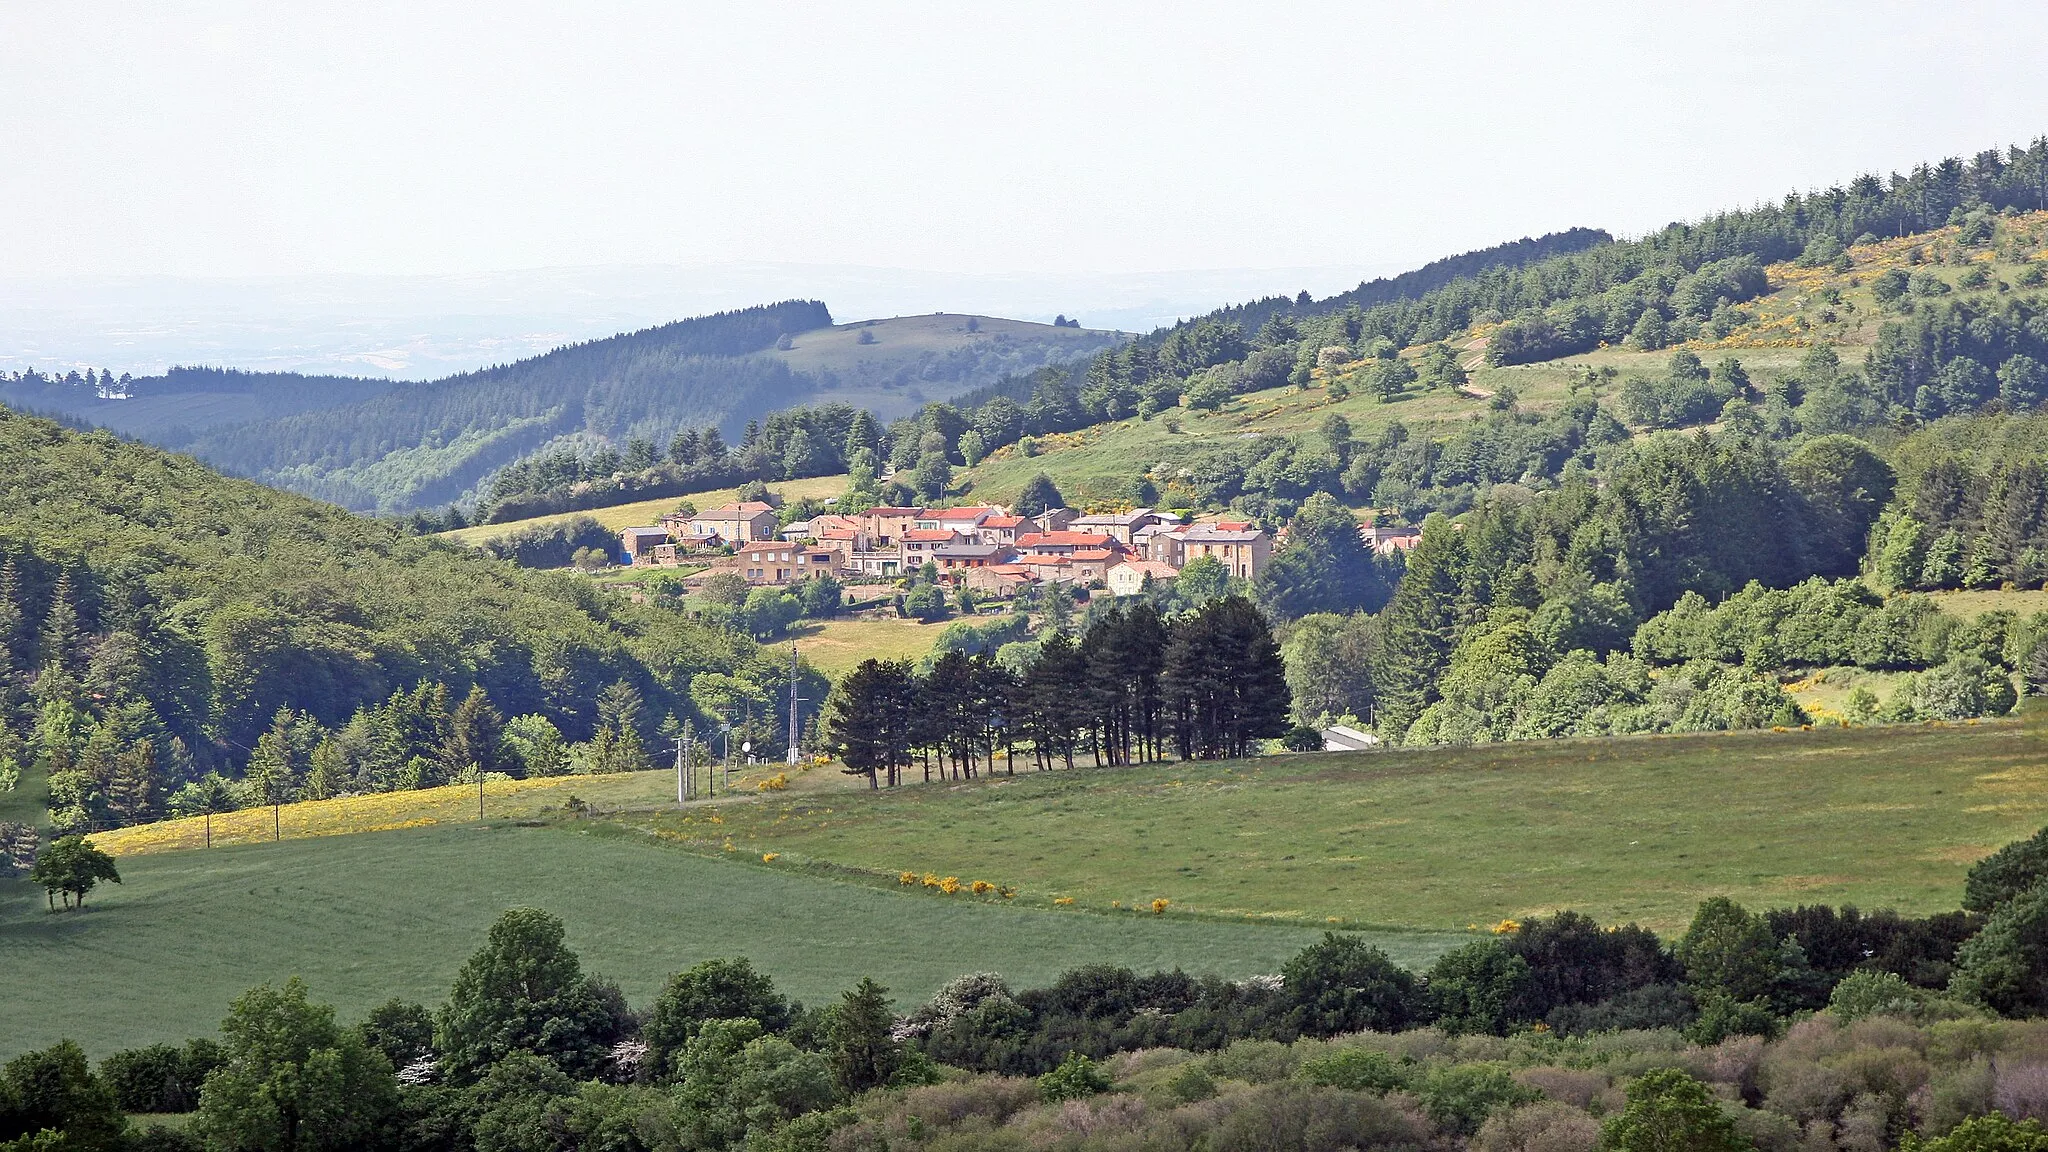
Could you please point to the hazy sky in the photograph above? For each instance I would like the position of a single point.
(259, 138)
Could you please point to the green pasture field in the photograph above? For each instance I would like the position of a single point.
(1623, 828)
(644, 512)
(368, 917)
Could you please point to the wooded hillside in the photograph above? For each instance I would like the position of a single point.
(153, 611)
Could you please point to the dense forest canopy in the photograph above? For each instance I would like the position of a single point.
(160, 623)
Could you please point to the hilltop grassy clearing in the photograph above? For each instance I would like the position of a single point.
(834, 647)
(1637, 828)
(642, 512)
(1806, 306)
(1094, 465)
(365, 918)
(891, 375)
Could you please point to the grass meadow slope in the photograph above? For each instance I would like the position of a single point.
(1624, 828)
(1255, 858)
(367, 917)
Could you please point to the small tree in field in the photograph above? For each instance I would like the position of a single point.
(72, 867)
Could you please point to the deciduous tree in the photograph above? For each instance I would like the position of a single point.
(523, 991)
(72, 867)
(294, 1081)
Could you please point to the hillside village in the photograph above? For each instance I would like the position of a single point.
(1420, 672)
(986, 548)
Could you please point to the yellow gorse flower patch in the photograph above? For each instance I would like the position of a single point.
(953, 885)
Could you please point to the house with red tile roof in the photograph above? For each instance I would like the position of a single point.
(1092, 565)
(1005, 529)
(964, 520)
(917, 545)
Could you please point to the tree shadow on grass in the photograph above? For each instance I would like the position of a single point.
(25, 914)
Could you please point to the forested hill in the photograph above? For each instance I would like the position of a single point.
(145, 599)
(1415, 282)
(433, 441)
(375, 445)
(1674, 284)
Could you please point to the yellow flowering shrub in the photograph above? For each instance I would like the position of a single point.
(953, 885)
(1159, 906)
(1063, 900)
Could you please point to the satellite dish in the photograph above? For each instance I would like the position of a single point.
(746, 745)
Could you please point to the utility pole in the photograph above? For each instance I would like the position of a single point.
(682, 792)
(792, 705)
(479, 790)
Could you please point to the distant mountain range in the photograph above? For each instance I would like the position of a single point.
(383, 445)
(427, 326)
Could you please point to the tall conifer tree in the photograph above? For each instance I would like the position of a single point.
(1420, 628)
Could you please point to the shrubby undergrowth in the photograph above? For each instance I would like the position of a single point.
(1809, 1029)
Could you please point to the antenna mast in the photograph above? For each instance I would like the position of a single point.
(792, 704)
